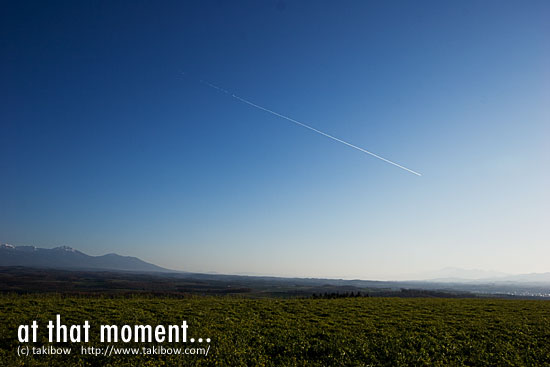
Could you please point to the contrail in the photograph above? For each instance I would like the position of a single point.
(306, 126)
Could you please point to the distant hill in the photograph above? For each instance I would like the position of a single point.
(68, 258)
(457, 275)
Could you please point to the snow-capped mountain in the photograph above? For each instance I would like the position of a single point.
(65, 257)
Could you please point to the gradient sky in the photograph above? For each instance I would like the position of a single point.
(106, 148)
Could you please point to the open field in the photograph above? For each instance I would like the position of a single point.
(323, 332)
(23, 280)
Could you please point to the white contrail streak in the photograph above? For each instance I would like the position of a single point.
(307, 126)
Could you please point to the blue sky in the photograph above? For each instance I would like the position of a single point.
(105, 147)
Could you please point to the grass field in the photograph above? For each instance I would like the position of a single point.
(323, 332)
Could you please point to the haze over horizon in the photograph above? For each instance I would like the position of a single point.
(47, 258)
(105, 148)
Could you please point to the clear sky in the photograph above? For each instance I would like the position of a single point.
(105, 147)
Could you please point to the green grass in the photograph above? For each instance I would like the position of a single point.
(323, 332)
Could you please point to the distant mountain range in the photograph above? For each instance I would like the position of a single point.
(68, 258)
(450, 273)
(458, 275)
(448, 278)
